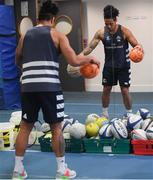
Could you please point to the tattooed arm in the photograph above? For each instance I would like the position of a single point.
(94, 42)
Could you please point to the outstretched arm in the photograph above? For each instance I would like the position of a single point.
(70, 55)
(93, 43)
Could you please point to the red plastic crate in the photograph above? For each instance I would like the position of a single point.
(142, 147)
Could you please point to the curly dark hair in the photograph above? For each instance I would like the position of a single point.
(110, 12)
(48, 10)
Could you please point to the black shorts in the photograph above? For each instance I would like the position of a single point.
(111, 76)
(51, 104)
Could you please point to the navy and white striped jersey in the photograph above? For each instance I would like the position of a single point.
(116, 49)
(40, 61)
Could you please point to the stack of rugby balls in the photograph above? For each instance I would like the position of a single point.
(141, 125)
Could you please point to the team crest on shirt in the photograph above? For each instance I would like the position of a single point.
(118, 38)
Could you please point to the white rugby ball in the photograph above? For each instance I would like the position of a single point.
(138, 134)
(65, 126)
(124, 121)
(70, 119)
(91, 118)
(119, 130)
(149, 133)
(15, 120)
(146, 124)
(45, 127)
(114, 119)
(105, 131)
(77, 130)
(134, 121)
(126, 115)
(16, 113)
(144, 113)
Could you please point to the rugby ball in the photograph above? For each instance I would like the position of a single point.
(144, 113)
(124, 121)
(65, 126)
(119, 130)
(146, 124)
(105, 131)
(91, 118)
(134, 121)
(149, 133)
(77, 130)
(114, 119)
(70, 119)
(138, 134)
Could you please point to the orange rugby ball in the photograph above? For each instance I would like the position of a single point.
(90, 70)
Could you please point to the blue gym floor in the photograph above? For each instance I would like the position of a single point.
(41, 165)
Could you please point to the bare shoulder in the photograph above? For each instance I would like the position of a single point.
(100, 34)
(56, 36)
(126, 31)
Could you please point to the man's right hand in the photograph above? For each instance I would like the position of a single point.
(94, 60)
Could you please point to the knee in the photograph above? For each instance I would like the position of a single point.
(125, 91)
(107, 90)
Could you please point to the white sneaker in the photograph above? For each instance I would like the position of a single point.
(67, 174)
(18, 176)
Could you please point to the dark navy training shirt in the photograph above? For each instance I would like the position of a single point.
(116, 49)
(40, 61)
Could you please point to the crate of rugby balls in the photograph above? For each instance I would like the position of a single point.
(142, 140)
(118, 134)
(142, 137)
(142, 147)
(71, 144)
(113, 138)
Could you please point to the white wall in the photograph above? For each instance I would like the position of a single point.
(138, 17)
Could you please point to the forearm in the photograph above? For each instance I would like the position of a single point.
(93, 43)
(87, 51)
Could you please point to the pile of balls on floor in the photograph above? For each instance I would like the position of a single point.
(138, 126)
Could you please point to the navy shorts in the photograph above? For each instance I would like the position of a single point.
(111, 76)
(51, 104)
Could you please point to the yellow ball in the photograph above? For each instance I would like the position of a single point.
(92, 129)
(48, 135)
(101, 121)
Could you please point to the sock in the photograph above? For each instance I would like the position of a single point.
(105, 112)
(60, 163)
(19, 164)
(129, 110)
